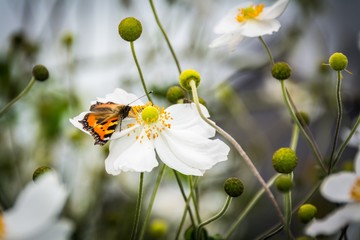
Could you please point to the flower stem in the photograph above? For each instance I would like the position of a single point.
(183, 218)
(152, 200)
(344, 144)
(165, 36)
(307, 136)
(138, 207)
(26, 89)
(239, 150)
(250, 205)
(139, 70)
(267, 50)
(338, 121)
(192, 194)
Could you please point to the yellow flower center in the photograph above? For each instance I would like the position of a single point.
(355, 190)
(153, 120)
(251, 12)
(2, 227)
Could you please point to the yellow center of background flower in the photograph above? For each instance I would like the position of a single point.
(251, 12)
(355, 190)
(2, 227)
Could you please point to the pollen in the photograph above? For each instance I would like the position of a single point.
(2, 227)
(251, 12)
(355, 190)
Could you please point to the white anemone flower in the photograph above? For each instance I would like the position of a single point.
(342, 187)
(177, 135)
(34, 215)
(248, 20)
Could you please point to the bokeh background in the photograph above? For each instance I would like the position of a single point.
(79, 43)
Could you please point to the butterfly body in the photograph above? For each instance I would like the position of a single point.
(103, 119)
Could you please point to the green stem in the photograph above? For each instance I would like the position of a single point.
(294, 138)
(192, 194)
(214, 218)
(138, 207)
(139, 70)
(250, 206)
(152, 200)
(344, 144)
(267, 50)
(338, 120)
(287, 100)
(26, 89)
(239, 149)
(183, 218)
(165, 36)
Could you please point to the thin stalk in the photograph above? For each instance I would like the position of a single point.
(344, 144)
(183, 218)
(165, 36)
(287, 101)
(338, 120)
(215, 217)
(267, 50)
(152, 200)
(14, 100)
(294, 137)
(138, 207)
(192, 194)
(139, 70)
(250, 206)
(239, 149)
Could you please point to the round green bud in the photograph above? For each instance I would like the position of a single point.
(67, 39)
(130, 29)
(233, 187)
(40, 72)
(283, 183)
(150, 114)
(307, 212)
(186, 76)
(303, 118)
(281, 71)
(158, 228)
(41, 171)
(338, 61)
(175, 93)
(284, 160)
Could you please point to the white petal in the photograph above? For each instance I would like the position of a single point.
(231, 39)
(256, 28)
(337, 187)
(36, 207)
(274, 11)
(186, 116)
(125, 129)
(335, 221)
(357, 162)
(122, 97)
(61, 230)
(129, 154)
(229, 24)
(75, 121)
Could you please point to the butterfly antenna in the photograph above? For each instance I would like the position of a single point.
(150, 92)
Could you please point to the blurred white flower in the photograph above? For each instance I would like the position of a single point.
(248, 20)
(34, 215)
(342, 187)
(178, 134)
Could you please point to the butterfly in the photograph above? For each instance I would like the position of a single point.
(103, 119)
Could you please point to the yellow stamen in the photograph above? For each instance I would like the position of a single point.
(355, 190)
(2, 227)
(251, 12)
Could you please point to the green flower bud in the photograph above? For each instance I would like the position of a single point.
(130, 29)
(41, 171)
(307, 212)
(233, 187)
(67, 39)
(281, 71)
(284, 183)
(303, 116)
(158, 228)
(284, 160)
(175, 93)
(188, 75)
(40, 72)
(338, 61)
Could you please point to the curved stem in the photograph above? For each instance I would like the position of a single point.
(249, 207)
(287, 100)
(214, 218)
(139, 70)
(152, 200)
(239, 150)
(26, 89)
(192, 194)
(138, 207)
(267, 50)
(338, 120)
(165, 36)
